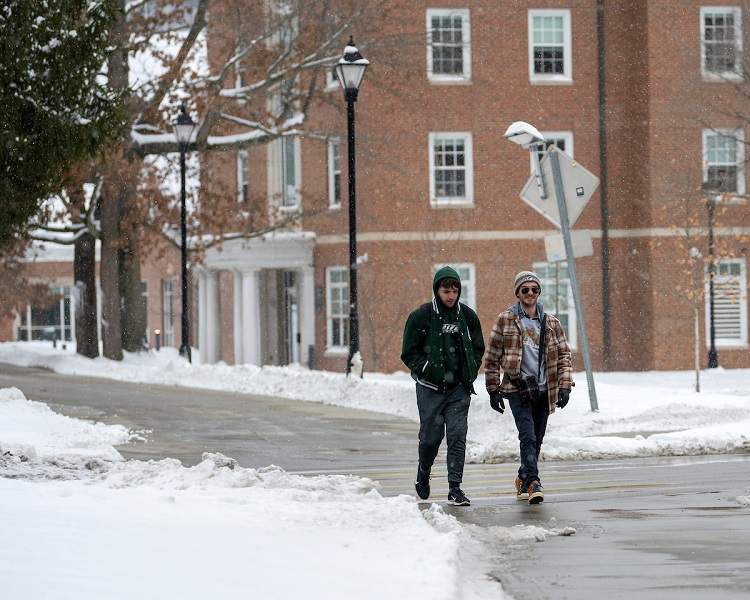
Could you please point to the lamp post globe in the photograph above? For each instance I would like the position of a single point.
(350, 70)
(183, 130)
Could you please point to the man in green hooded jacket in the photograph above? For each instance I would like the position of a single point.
(443, 347)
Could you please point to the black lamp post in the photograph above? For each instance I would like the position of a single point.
(713, 357)
(350, 70)
(183, 130)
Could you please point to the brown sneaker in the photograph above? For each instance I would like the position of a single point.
(535, 493)
(520, 494)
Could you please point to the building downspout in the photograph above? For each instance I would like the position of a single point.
(606, 323)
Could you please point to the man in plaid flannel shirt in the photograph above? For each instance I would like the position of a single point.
(528, 362)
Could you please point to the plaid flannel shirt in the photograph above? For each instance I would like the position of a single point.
(505, 349)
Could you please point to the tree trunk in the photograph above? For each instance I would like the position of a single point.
(133, 303)
(117, 68)
(110, 278)
(84, 275)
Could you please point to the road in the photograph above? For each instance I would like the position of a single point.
(664, 528)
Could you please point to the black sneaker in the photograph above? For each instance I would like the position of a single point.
(457, 498)
(535, 493)
(422, 484)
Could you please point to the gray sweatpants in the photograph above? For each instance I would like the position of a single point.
(443, 415)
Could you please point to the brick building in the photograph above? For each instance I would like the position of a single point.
(663, 129)
(52, 264)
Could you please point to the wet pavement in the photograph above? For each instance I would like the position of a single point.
(665, 527)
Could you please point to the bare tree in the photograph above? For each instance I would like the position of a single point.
(251, 76)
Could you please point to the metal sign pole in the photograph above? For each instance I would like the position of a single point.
(565, 226)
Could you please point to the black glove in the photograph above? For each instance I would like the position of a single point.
(496, 402)
(563, 395)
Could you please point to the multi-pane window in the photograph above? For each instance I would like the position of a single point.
(730, 303)
(562, 139)
(467, 275)
(50, 322)
(451, 169)
(557, 296)
(239, 70)
(332, 80)
(448, 47)
(550, 46)
(723, 170)
(168, 313)
(721, 35)
(144, 300)
(243, 188)
(337, 309)
(334, 173)
(288, 172)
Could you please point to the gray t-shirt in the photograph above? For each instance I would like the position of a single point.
(530, 335)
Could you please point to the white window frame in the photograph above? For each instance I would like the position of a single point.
(453, 201)
(332, 80)
(542, 269)
(239, 79)
(343, 317)
(736, 74)
(334, 148)
(290, 197)
(144, 295)
(738, 136)
(468, 274)
(724, 303)
(552, 137)
(66, 318)
(566, 77)
(168, 315)
(452, 78)
(243, 182)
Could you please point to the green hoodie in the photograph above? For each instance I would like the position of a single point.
(438, 356)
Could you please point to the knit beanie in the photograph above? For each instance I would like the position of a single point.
(523, 277)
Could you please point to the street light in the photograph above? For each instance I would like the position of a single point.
(713, 357)
(183, 130)
(350, 70)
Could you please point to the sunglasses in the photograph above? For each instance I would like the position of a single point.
(533, 290)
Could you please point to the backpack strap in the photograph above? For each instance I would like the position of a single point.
(541, 346)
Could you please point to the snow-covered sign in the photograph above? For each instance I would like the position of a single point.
(578, 185)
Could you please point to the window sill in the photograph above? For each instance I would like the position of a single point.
(730, 347)
(440, 204)
(551, 81)
(449, 80)
(336, 352)
(712, 77)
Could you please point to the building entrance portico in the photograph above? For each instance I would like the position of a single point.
(269, 312)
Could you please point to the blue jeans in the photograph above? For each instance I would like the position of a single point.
(443, 415)
(531, 422)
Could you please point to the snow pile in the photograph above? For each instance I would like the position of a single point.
(108, 528)
(34, 431)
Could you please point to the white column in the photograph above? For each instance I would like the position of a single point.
(213, 318)
(73, 296)
(306, 312)
(238, 330)
(202, 314)
(250, 317)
